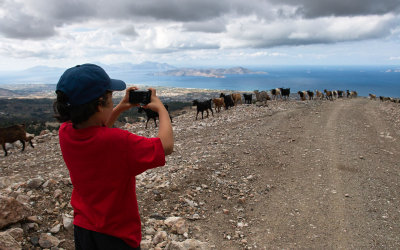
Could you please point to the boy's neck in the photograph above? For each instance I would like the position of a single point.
(92, 122)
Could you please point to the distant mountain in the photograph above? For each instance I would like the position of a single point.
(217, 73)
(7, 93)
(124, 71)
(51, 75)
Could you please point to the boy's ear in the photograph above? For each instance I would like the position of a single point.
(99, 106)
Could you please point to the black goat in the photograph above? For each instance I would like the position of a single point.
(152, 114)
(227, 100)
(203, 106)
(310, 95)
(248, 98)
(285, 93)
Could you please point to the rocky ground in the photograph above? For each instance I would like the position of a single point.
(313, 174)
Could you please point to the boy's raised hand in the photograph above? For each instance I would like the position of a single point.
(124, 104)
(155, 102)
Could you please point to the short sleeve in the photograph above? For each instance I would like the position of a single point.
(144, 153)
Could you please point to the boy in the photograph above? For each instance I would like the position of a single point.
(103, 161)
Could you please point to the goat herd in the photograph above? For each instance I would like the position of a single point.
(262, 97)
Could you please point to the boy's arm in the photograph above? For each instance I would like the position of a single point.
(123, 105)
(165, 132)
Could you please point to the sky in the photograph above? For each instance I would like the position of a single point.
(65, 33)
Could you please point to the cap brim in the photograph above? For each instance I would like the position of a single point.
(117, 85)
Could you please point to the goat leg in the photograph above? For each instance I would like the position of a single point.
(4, 148)
(23, 145)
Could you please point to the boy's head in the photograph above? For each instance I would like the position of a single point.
(81, 90)
(86, 82)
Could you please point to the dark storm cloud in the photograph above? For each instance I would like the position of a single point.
(26, 27)
(321, 8)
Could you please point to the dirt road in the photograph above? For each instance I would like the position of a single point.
(323, 176)
(308, 175)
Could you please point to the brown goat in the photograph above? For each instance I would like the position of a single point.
(328, 94)
(218, 104)
(236, 98)
(372, 96)
(12, 134)
(319, 94)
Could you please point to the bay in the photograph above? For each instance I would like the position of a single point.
(379, 80)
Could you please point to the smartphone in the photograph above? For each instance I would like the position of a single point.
(140, 96)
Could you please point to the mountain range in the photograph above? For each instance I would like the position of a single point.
(50, 75)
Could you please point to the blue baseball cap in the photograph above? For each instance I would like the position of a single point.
(86, 82)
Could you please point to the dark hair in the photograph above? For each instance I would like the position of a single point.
(76, 114)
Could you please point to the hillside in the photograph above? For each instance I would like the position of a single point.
(313, 174)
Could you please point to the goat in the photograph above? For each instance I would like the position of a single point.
(384, 99)
(227, 100)
(372, 97)
(248, 98)
(319, 94)
(275, 93)
(328, 94)
(303, 95)
(335, 93)
(262, 96)
(285, 93)
(218, 104)
(203, 106)
(12, 134)
(236, 98)
(310, 95)
(152, 114)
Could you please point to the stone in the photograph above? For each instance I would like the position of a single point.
(189, 244)
(16, 233)
(35, 182)
(55, 229)
(24, 199)
(146, 244)
(159, 237)
(8, 242)
(177, 224)
(11, 211)
(57, 193)
(48, 241)
(67, 221)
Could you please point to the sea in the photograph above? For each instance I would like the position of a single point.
(378, 80)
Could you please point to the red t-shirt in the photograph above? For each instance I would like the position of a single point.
(102, 164)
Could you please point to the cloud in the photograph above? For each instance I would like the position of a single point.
(129, 31)
(256, 33)
(125, 29)
(324, 8)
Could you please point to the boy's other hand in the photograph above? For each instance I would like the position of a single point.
(155, 102)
